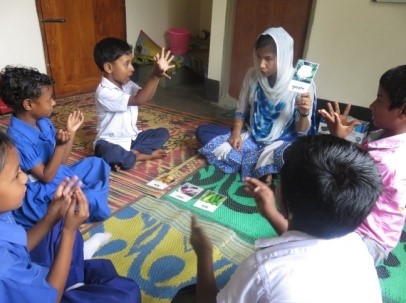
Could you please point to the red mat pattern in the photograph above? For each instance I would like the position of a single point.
(128, 186)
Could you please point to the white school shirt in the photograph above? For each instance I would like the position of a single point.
(296, 267)
(117, 122)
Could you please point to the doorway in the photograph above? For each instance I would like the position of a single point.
(70, 30)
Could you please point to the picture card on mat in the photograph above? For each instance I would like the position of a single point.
(210, 201)
(186, 191)
(161, 182)
(303, 76)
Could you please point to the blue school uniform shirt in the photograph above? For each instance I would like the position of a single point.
(42, 141)
(37, 146)
(21, 280)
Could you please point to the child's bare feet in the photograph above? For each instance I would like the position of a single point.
(116, 167)
(156, 154)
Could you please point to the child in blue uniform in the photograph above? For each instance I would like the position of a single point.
(43, 150)
(22, 280)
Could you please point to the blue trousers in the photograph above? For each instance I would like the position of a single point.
(146, 142)
(204, 133)
(102, 282)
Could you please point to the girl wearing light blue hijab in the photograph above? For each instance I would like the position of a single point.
(268, 115)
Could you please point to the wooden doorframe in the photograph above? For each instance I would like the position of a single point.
(42, 29)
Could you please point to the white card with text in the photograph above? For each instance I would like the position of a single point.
(161, 182)
(303, 76)
(210, 201)
(186, 191)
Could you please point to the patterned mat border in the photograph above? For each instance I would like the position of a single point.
(225, 239)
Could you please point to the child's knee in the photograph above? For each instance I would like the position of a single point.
(164, 133)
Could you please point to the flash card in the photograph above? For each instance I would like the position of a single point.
(303, 76)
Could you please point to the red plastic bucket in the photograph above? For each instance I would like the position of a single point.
(179, 40)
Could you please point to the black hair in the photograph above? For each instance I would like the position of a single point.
(20, 83)
(329, 185)
(393, 82)
(266, 41)
(109, 50)
(5, 146)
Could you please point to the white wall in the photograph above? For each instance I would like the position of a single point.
(354, 41)
(217, 41)
(155, 17)
(20, 35)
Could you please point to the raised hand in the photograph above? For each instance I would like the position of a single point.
(304, 104)
(62, 198)
(62, 137)
(263, 195)
(78, 210)
(338, 124)
(75, 120)
(162, 63)
(266, 203)
(198, 239)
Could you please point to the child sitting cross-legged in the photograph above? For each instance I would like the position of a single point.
(61, 274)
(44, 151)
(119, 141)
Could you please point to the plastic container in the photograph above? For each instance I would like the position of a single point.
(179, 40)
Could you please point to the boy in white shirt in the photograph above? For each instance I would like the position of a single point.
(328, 186)
(119, 141)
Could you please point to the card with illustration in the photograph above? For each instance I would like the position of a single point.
(162, 182)
(303, 76)
(186, 191)
(210, 201)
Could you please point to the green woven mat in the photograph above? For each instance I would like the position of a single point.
(392, 273)
(238, 212)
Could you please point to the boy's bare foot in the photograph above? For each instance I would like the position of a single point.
(116, 167)
(156, 154)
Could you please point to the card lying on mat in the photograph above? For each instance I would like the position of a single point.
(186, 191)
(210, 201)
(162, 182)
(303, 76)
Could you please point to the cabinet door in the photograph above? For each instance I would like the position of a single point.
(70, 30)
(252, 17)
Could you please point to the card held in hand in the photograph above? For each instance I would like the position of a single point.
(303, 76)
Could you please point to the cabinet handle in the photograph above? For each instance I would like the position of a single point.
(56, 20)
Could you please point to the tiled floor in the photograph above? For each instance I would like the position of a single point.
(189, 97)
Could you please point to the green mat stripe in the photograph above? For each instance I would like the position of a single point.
(238, 212)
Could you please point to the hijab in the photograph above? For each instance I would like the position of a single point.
(273, 107)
